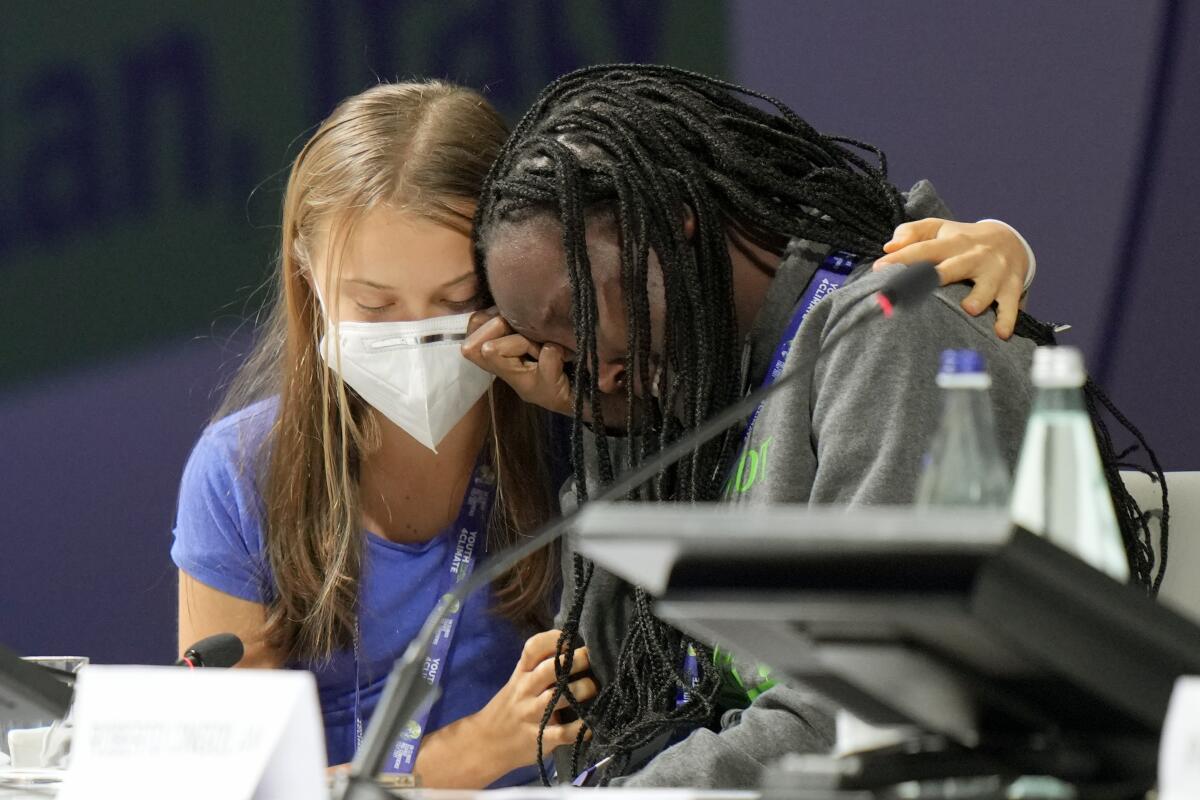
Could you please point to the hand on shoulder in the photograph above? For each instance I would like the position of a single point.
(990, 254)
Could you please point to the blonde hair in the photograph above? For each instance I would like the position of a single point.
(424, 148)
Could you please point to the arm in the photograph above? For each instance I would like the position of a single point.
(780, 721)
(440, 762)
(204, 611)
(218, 551)
(499, 738)
(459, 756)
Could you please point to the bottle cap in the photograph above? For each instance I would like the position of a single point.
(963, 369)
(956, 362)
(1058, 368)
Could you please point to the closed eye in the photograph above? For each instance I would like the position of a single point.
(470, 304)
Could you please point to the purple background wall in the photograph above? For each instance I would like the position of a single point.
(1022, 111)
(1036, 113)
(1153, 349)
(1030, 112)
(91, 464)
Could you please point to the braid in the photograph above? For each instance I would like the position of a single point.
(640, 144)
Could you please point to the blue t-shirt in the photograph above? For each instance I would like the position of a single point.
(219, 542)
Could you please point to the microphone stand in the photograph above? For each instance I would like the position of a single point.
(406, 690)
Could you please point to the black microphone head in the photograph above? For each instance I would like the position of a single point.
(912, 284)
(221, 650)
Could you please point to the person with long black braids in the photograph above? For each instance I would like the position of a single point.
(656, 246)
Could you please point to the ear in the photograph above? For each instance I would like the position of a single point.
(689, 221)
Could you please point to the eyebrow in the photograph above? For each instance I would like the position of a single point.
(372, 284)
(460, 279)
(466, 276)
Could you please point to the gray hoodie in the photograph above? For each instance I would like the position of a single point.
(851, 430)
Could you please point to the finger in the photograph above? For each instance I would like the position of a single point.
(537, 648)
(1007, 302)
(480, 317)
(552, 375)
(494, 328)
(512, 346)
(550, 363)
(543, 675)
(558, 735)
(912, 232)
(959, 268)
(980, 297)
(512, 357)
(581, 661)
(936, 250)
(582, 690)
(513, 371)
(473, 346)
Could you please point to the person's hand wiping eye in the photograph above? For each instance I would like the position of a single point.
(534, 371)
(987, 253)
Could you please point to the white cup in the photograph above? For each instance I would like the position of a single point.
(26, 747)
(31, 733)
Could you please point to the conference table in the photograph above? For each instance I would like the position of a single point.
(46, 783)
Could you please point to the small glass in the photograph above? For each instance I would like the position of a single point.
(66, 664)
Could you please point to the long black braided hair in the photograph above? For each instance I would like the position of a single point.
(641, 146)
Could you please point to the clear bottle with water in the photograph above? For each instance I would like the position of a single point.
(1059, 490)
(964, 466)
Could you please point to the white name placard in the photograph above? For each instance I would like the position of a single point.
(1179, 750)
(155, 732)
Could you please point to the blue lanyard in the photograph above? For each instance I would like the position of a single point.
(471, 524)
(833, 273)
(828, 278)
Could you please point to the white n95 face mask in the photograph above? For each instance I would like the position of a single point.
(413, 373)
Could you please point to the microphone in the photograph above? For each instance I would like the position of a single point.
(221, 650)
(909, 285)
(406, 691)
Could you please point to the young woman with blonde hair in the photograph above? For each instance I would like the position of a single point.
(356, 458)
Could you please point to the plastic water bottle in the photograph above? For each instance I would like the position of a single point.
(964, 466)
(1060, 491)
